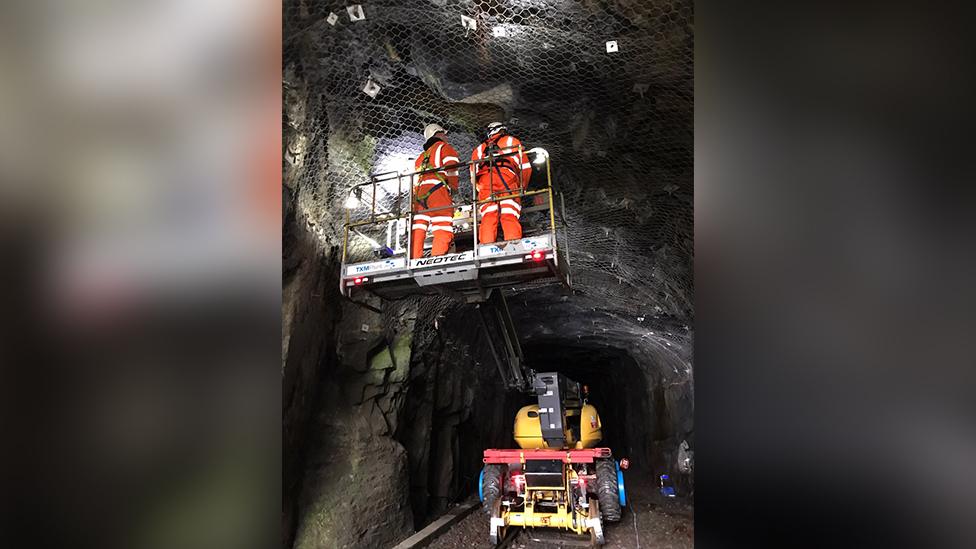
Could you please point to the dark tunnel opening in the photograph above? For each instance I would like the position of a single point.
(462, 407)
(617, 387)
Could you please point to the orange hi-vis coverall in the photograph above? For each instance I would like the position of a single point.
(432, 190)
(507, 177)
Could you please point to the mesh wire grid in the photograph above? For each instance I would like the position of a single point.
(606, 87)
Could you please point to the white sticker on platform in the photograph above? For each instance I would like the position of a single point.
(524, 245)
(376, 266)
(490, 249)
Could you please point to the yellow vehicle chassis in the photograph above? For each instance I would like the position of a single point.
(567, 516)
(563, 518)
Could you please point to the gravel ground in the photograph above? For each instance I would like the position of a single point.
(649, 521)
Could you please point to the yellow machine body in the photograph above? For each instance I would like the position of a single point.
(583, 428)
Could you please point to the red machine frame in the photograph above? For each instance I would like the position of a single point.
(586, 455)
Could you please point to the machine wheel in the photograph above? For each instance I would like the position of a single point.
(496, 532)
(491, 485)
(607, 489)
(596, 532)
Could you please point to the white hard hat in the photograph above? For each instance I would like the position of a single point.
(431, 129)
(494, 128)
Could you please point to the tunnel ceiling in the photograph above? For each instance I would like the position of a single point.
(617, 125)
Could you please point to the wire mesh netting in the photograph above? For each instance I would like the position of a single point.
(606, 87)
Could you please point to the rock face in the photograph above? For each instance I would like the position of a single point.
(399, 424)
(456, 407)
(354, 491)
(308, 349)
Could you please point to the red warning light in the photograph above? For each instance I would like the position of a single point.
(537, 255)
(358, 280)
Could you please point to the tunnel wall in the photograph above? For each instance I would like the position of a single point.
(308, 310)
(410, 431)
(344, 479)
(403, 413)
(308, 334)
(658, 407)
(457, 406)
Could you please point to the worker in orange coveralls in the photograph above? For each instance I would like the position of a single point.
(432, 192)
(502, 179)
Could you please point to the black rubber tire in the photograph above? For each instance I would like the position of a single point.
(607, 491)
(492, 484)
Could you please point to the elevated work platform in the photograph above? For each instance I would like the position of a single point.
(377, 241)
(467, 273)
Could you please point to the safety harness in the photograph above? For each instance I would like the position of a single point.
(492, 149)
(442, 181)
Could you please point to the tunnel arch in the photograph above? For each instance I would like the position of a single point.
(618, 387)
